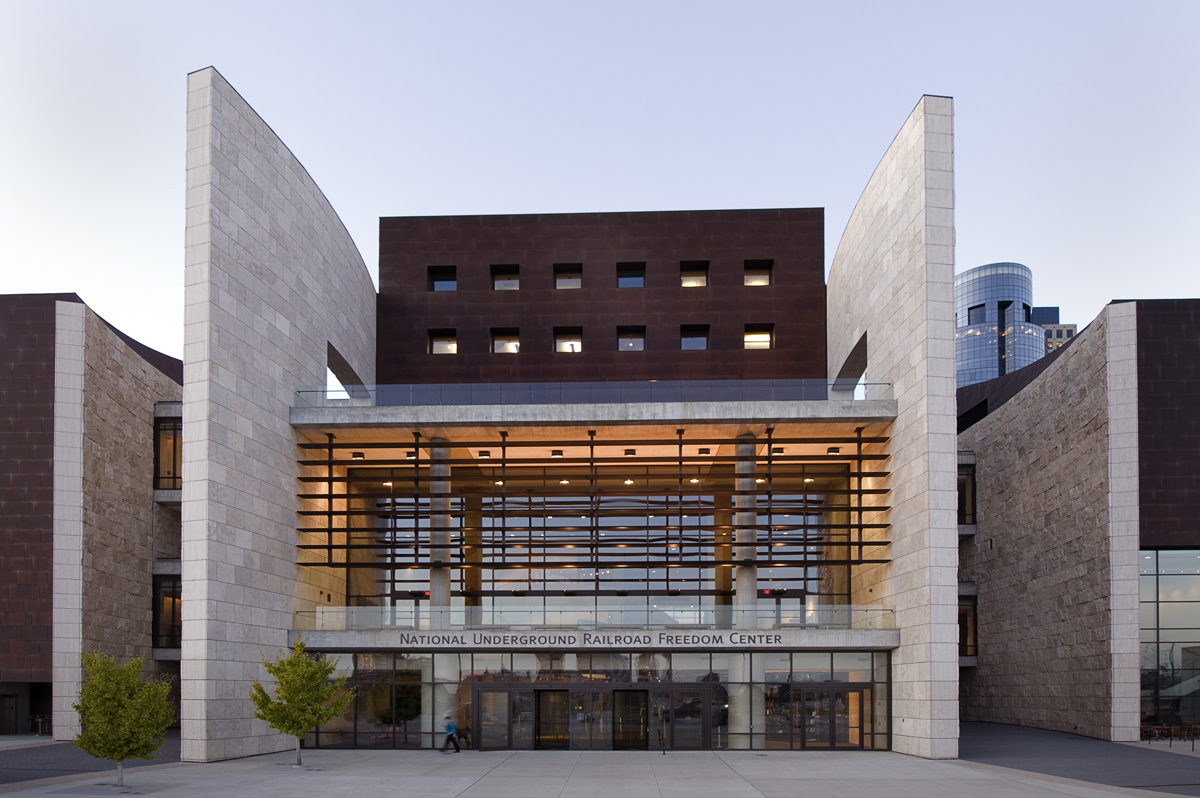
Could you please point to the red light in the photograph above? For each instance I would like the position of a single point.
(766, 592)
(426, 592)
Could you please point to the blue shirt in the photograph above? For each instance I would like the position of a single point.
(450, 727)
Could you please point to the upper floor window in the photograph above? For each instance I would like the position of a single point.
(631, 275)
(506, 277)
(443, 278)
(568, 339)
(967, 624)
(693, 336)
(506, 341)
(443, 342)
(631, 339)
(758, 272)
(168, 618)
(976, 315)
(693, 273)
(568, 275)
(759, 336)
(966, 494)
(168, 453)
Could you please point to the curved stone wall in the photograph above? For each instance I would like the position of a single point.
(892, 280)
(272, 280)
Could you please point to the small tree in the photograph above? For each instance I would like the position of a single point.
(305, 698)
(123, 716)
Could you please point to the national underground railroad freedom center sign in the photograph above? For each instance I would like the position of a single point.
(619, 640)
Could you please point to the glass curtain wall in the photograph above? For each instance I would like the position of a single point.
(541, 531)
(1170, 635)
(674, 700)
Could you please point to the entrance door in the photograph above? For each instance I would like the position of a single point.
(591, 720)
(8, 714)
(832, 718)
(552, 719)
(493, 720)
(679, 719)
(630, 726)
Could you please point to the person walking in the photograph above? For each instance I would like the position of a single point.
(451, 737)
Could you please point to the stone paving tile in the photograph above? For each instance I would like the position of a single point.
(527, 787)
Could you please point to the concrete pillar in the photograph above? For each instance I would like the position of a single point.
(745, 517)
(473, 577)
(439, 534)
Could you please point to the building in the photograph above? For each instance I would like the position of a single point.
(1058, 335)
(995, 332)
(90, 555)
(616, 480)
(1083, 553)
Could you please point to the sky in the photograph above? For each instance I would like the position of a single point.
(1077, 125)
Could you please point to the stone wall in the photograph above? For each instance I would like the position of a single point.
(272, 281)
(121, 529)
(1042, 558)
(892, 282)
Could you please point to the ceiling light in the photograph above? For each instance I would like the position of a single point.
(564, 482)
(703, 451)
(629, 482)
(499, 482)
(484, 454)
(630, 452)
(760, 480)
(556, 452)
(412, 455)
(776, 450)
(387, 484)
(357, 456)
(808, 479)
(834, 450)
(693, 480)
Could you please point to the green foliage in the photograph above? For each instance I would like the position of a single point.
(123, 716)
(305, 698)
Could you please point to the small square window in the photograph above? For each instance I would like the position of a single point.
(759, 336)
(443, 278)
(443, 342)
(758, 272)
(631, 275)
(568, 275)
(506, 341)
(506, 278)
(1070, 333)
(568, 339)
(631, 339)
(693, 336)
(693, 273)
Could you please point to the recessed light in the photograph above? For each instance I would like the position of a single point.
(693, 480)
(387, 484)
(703, 451)
(357, 456)
(499, 482)
(777, 450)
(760, 480)
(484, 454)
(629, 482)
(630, 452)
(834, 450)
(412, 455)
(808, 479)
(564, 482)
(556, 452)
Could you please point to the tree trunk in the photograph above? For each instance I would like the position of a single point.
(121, 774)
(298, 762)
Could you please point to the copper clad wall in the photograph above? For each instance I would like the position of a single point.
(795, 304)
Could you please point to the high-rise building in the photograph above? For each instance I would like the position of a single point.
(994, 329)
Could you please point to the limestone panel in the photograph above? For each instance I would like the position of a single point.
(892, 280)
(1046, 550)
(272, 279)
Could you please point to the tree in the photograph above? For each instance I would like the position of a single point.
(305, 697)
(123, 715)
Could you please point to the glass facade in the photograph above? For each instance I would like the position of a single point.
(995, 334)
(676, 700)
(168, 453)
(1169, 586)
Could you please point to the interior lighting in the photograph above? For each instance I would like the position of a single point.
(357, 456)
(760, 480)
(703, 451)
(556, 452)
(564, 482)
(630, 452)
(412, 455)
(808, 479)
(693, 480)
(834, 450)
(776, 450)
(499, 482)
(484, 454)
(629, 482)
(387, 484)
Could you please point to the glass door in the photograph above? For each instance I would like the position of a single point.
(630, 727)
(679, 719)
(521, 719)
(493, 719)
(591, 720)
(550, 722)
(832, 718)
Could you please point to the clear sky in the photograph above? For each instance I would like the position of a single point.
(1077, 125)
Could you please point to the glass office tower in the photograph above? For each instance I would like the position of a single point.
(994, 329)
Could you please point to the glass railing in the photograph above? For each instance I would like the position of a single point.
(812, 616)
(574, 393)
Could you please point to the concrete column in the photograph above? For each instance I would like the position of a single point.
(745, 517)
(439, 534)
(473, 577)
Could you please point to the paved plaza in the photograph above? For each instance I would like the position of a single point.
(1010, 761)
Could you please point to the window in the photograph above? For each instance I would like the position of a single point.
(443, 342)
(443, 278)
(976, 315)
(631, 275)
(168, 453)
(759, 336)
(168, 620)
(1070, 333)
(568, 339)
(693, 273)
(758, 272)
(506, 341)
(568, 275)
(966, 494)
(1028, 313)
(631, 339)
(967, 621)
(506, 277)
(693, 336)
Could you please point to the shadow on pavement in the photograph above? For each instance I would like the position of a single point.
(64, 759)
